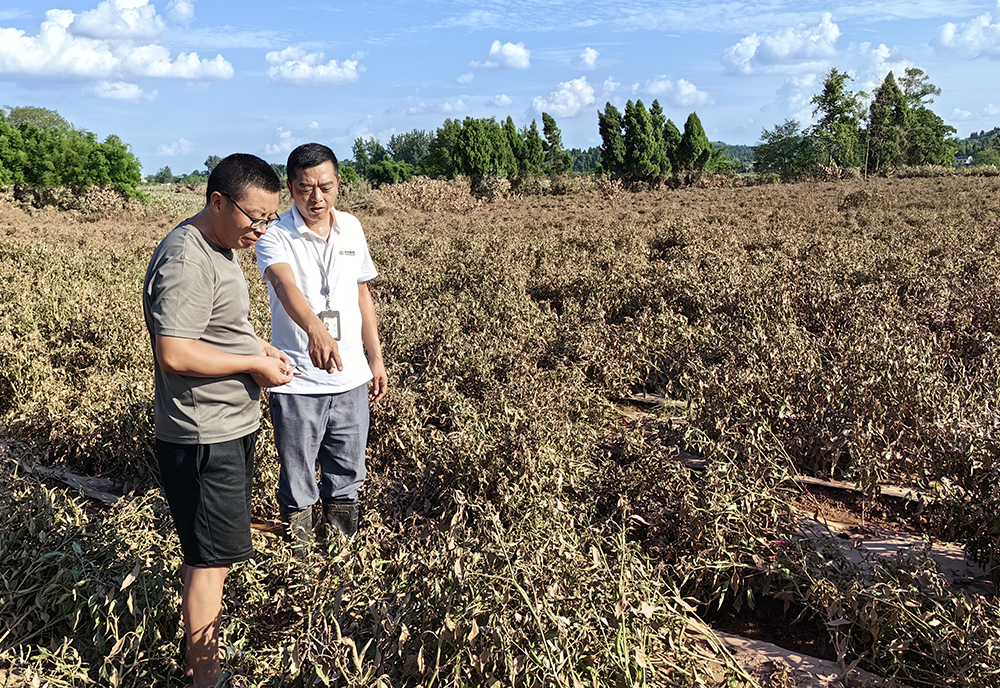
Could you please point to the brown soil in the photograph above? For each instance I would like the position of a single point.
(770, 622)
(865, 516)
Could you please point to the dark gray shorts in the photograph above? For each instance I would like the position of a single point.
(208, 488)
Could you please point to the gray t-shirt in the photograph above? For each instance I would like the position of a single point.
(195, 289)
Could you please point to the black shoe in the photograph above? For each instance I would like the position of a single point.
(342, 515)
(298, 527)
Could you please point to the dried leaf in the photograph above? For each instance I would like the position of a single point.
(118, 646)
(130, 578)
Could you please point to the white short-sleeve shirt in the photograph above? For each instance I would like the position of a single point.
(346, 262)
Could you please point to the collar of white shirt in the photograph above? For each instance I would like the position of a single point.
(302, 228)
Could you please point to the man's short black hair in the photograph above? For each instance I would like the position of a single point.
(241, 171)
(310, 155)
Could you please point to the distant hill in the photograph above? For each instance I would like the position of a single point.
(976, 141)
(585, 160)
(740, 153)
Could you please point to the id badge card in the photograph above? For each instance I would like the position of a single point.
(332, 321)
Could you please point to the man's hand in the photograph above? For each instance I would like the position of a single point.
(373, 348)
(268, 349)
(271, 371)
(323, 350)
(196, 359)
(380, 381)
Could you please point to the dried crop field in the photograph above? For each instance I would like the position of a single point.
(526, 524)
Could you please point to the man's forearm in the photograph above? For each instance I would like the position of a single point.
(323, 350)
(369, 324)
(293, 301)
(197, 359)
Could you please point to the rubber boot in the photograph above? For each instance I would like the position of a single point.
(342, 515)
(298, 528)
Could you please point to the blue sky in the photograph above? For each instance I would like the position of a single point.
(180, 80)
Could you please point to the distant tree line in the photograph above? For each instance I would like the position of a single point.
(478, 148)
(891, 127)
(39, 148)
(643, 146)
(638, 146)
(165, 175)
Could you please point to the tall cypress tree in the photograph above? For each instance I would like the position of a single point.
(610, 124)
(361, 162)
(672, 145)
(643, 152)
(534, 148)
(695, 148)
(557, 160)
(516, 144)
(441, 159)
(888, 121)
(659, 122)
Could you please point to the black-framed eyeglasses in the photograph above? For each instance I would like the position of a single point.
(255, 222)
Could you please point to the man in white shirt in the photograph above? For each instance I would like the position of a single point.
(317, 266)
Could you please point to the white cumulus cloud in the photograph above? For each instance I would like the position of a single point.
(445, 107)
(979, 37)
(960, 115)
(59, 50)
(611, 85)
(868, 65)
(120, 19)
(154, 61)
(179, 147)
(295, 66)
(506, 56)
(284, 142)
(680, 93)
(799, 48)
(794, 98)
(180, 11)
(465, 78)
(120, 90)
(991, 110)
(314, 125)
(587, 59)
(501, 101)
(567, 100)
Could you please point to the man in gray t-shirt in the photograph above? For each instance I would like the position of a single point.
(209, 368)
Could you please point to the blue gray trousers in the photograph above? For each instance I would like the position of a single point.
(329, 430)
